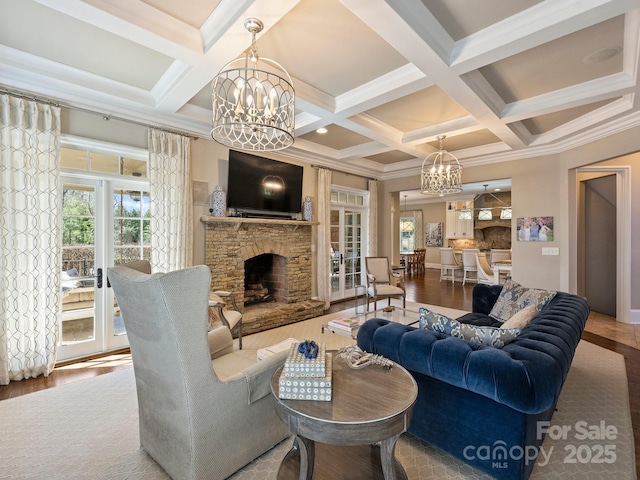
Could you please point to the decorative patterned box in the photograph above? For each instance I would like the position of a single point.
(307, 388)
(297, 365)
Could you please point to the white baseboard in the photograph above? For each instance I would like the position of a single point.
(634, 317)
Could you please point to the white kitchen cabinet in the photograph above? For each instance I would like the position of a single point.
(459, 219)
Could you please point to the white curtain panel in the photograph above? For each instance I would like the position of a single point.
(372, 246)
(30, 250)
(419, 235)
(171, 196)
(324, 236)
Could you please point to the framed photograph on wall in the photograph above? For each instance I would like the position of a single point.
(433, 235)
(535, 229)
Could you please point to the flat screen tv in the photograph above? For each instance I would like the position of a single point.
(258, 185)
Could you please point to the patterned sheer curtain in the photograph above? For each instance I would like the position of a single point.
(324, 236)
(372, 246)
(30, 251)
(171, 194)
(419, 233)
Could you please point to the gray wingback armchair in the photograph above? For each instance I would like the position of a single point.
(199, 418)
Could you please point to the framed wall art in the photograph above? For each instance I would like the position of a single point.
(535, 229)
(433, 235)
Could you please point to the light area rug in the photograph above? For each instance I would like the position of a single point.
(89, 429)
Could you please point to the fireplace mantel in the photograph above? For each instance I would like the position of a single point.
(239, 221)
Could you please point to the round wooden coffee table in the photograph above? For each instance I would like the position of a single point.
(369, 405)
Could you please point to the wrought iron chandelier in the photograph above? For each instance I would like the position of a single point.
(441, 173)
(253, 101)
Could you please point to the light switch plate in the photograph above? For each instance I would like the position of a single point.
(550, 251)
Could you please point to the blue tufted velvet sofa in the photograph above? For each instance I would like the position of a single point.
(482, 404)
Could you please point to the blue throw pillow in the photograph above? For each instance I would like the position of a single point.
(487, 336)
(436, 322)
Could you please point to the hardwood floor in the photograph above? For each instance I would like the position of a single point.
(422, 288)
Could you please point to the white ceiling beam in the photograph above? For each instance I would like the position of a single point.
(542, 23)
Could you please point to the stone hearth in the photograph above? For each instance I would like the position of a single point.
(230, 241)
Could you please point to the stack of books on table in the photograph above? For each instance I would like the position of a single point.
(344, 325)
(306, 378)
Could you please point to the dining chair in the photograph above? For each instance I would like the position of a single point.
(382, 282)
(469, 265)
(485, 274)
(500, 255)
(448, 265)
(420, 254)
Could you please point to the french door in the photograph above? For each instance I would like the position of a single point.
(104, 223)
(347, 251)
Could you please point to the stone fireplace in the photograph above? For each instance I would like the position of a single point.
(266, 264)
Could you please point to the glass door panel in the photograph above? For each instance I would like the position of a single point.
(131, 241)
(346, 252)
(79, 329)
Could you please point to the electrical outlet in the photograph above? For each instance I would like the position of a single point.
(550, 251)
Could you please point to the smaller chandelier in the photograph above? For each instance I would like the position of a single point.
(253, 101)
(441, 173)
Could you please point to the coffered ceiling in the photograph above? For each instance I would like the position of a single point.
(503, 80)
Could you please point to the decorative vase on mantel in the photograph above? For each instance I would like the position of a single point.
(307, 210)
(219, 203)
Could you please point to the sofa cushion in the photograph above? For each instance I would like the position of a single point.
(521, 318)
(479, 320)
(487, 336)
(514, 297)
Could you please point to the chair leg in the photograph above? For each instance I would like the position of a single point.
(240, 335)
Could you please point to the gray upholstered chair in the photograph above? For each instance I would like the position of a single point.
(382, 282)
(199, 418)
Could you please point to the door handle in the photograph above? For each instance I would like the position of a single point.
(341, 259)
(99, 278)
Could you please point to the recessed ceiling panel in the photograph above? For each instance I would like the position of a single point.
(77, 44)
(388, 158)
(557, 64)
(461, 18)
(203, 98)
(191, 12)
(336, 137)
(323, 44)
(421, 109)
(467, 140)
(546, 123)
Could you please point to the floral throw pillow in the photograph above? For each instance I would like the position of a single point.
(487, 336)
(507, 304)
(436, 322)
(534, 296)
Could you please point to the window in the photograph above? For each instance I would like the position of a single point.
(90, 161)
(407, 234)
